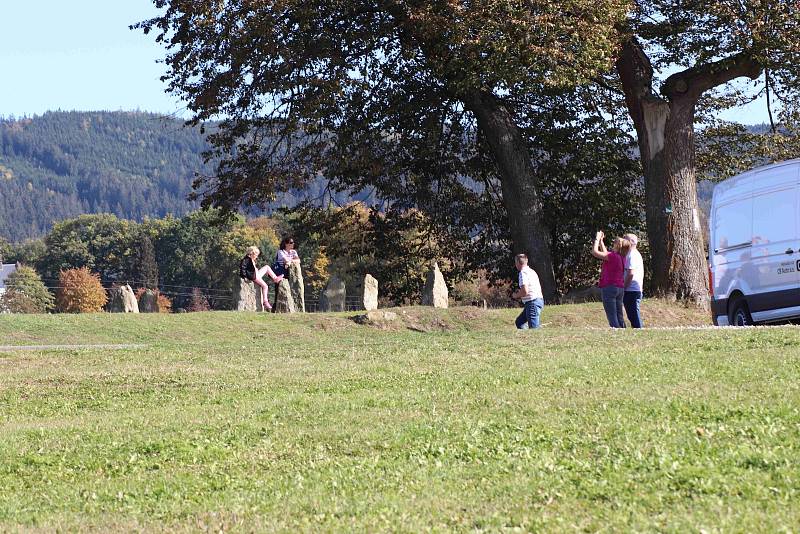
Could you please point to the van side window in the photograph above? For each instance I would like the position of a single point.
(733, 224)
(773, 216)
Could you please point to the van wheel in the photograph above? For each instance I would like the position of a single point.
(740, 314)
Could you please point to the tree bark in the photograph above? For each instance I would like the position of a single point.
(529, 233)
(665, 132)
(685, 272)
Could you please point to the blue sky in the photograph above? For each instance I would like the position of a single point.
(80, 55)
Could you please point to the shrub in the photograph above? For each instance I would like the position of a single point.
(498, 294)
(316, 274)
(199, 301)
(15, 302)
(26, 293)
(164, 303)
(80, 291)
(466, 291)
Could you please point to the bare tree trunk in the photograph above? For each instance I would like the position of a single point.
(521, 198)
(665, 132)
(685, 275)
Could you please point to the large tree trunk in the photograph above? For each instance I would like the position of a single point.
(665, 131)
(686, 272)
(521, 197)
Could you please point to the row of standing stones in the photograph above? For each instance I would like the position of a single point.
(122, 299)
(291, 294)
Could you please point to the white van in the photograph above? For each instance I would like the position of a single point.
(754, 246)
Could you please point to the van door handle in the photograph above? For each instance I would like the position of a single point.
(789, 251)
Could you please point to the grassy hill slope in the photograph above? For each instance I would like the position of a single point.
(307, 423)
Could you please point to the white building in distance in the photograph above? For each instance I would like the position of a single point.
(5, 270)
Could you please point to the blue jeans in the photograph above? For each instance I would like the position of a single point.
(632, 300)
(612, 304)
(529, 318)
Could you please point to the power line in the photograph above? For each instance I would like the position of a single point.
(108, 289)
(143, 283)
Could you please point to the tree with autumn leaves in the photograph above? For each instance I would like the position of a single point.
(80, 291)
(444, 102)
(418, 100)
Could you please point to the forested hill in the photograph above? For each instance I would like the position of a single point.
(62, 164)
(132, 164)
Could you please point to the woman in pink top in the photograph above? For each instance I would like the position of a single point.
(612, 277)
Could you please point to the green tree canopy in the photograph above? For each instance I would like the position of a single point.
(101, 243)
(709, 48)
(418, 100)
(202, 250)
(6, 250)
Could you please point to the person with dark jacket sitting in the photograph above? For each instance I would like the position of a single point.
(250, 271)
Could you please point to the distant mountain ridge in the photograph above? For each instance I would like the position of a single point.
(62, 164)
(132, 164)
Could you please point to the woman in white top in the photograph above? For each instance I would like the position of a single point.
(286, 255)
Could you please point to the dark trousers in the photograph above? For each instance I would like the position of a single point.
(631, 300)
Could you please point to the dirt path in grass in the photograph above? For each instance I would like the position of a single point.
(70, 347)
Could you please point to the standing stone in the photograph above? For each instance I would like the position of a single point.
(148, 303)
(295, 275)
(284, 303)
(370, 293)
(129, 298)
(245, 296)
(122, 300)
(435, 292)
(115, 304)
(333, 297)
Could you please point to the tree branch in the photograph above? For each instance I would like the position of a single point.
(694, 81)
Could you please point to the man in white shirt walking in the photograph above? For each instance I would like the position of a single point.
(530, 292)
(634, 281)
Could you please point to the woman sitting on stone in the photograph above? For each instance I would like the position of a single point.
(285, 256)
(250, 271)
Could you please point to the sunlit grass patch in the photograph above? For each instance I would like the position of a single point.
(263, 422)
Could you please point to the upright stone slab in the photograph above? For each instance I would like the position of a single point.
(115, 304)
(370, 293)
(284, 302)
(435, 293)
(333, 297)
(148, 303)
(122, 300)
(129, 298)
(245, 296)
(295, 276)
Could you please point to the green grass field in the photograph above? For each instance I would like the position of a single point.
(443, 421)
